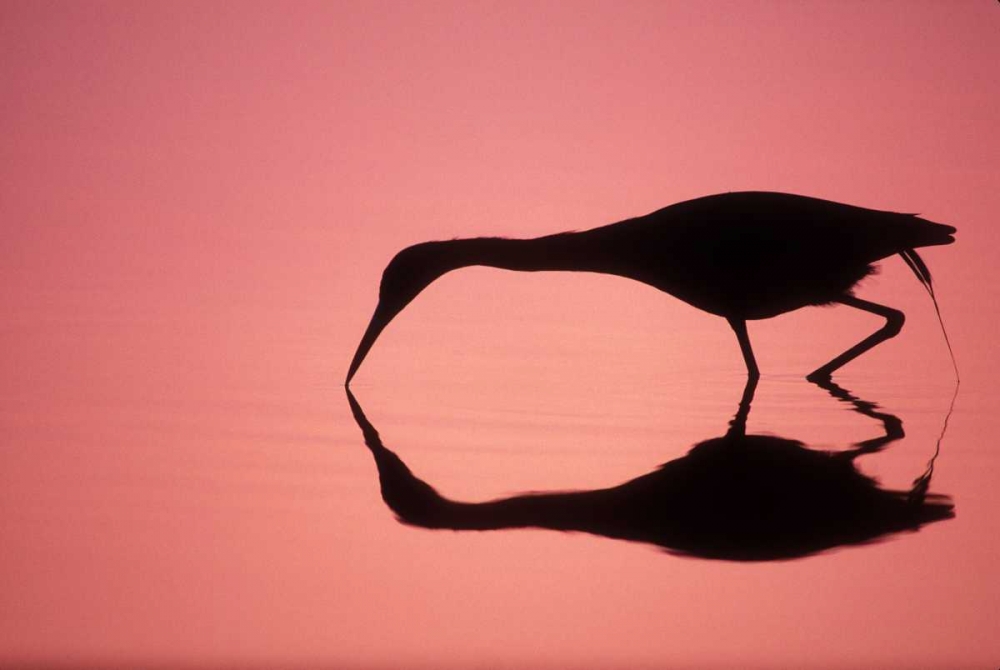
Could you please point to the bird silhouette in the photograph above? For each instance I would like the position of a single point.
(736, 497)
(742, 256)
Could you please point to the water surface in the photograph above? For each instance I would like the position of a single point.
(178, 499)
(196, 204)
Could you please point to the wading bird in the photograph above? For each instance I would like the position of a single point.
(741, 256)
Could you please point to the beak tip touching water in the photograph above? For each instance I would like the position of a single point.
(378, 322)
(359, 356)
(350, 373)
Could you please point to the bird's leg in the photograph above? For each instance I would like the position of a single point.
(740, 328)
(893, 324)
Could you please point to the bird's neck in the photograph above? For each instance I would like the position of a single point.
(564, 251)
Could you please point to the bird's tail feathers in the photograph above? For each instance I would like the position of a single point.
(923, 274)
(919, 268)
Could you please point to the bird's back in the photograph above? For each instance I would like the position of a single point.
(754, 255)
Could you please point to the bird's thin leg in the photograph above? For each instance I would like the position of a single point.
(893, 324)
(740, 328)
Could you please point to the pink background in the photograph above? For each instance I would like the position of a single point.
(197, 201)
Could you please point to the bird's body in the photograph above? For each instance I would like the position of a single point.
(741, 256)
(755, 255)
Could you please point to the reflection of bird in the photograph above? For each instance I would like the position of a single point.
(736, 497)
(741, 256)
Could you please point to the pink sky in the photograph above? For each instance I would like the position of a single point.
(197, 203)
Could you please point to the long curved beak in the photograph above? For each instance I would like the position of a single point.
(380, 319)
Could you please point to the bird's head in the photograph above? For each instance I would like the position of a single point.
(409, 273)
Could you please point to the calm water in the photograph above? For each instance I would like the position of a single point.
(193, 489)
(197, 201)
